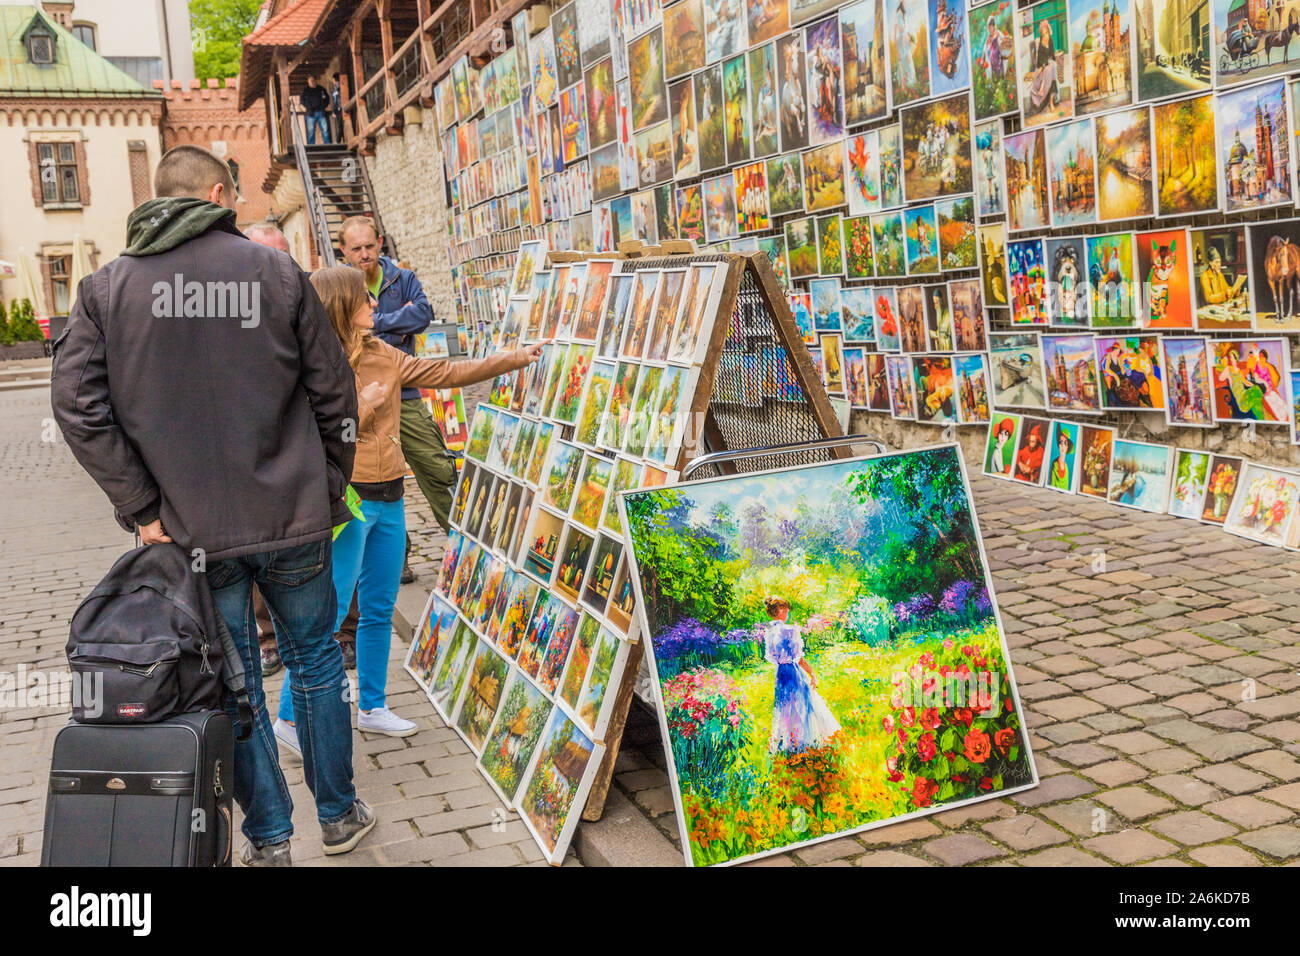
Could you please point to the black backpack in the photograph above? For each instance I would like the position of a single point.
(152, 634)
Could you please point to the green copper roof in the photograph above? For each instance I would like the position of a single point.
(77, 70)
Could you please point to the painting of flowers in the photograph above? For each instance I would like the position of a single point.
(513, 736)
(562, 774)
(827, 650)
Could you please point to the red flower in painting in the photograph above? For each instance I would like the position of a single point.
(925, 748)
(986, 783)
(977, 746)
(963, 716)
(908, 718)
(923, 791)
(930, 718)
(1004, 739)
(888, 724)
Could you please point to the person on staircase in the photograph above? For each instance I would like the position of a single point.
(315, 101)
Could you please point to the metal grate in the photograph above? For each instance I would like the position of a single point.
(757, 401)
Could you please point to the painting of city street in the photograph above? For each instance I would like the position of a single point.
(827, 651)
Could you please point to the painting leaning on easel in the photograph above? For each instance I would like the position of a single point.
(827, 651)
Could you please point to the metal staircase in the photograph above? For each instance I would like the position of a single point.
(337, 187)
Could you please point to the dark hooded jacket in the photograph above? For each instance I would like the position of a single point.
(199, 381)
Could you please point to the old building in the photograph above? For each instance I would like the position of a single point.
(388, 55)
(79, 140)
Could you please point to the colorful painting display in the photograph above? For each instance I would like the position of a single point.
(1254, 136)
(750, 763)
(1250, 380)
(909, 51)
(862, 42)
(1063, 456)
(1190, 399)
(1016, 366)
(1220, 288)
(1166, 298)
(1190, 480)
(937, 149)
(1124, 170)
(1071, 366)
(1172, 51)
(1025, 159)
(1043, 58)
(1273, 259)
(1071, 171)
(1130, 372)
(993, 59)
(1187, 178)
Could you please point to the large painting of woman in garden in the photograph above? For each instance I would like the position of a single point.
(827, 650)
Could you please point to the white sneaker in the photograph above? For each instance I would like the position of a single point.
(287, 737)
(381, 720)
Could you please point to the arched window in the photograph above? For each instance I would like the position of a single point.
(85, 32)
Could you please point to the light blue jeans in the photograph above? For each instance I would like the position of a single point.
(368, 557)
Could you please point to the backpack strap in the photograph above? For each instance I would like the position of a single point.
(233, 675)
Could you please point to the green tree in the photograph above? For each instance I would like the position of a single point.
(683, 573)
(217, 27)
(926, 487)
(23, 326)
(4, 326)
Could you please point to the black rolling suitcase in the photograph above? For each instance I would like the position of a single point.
(144, 773)
(142, 794)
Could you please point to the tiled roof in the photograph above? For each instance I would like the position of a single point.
(291, 26)
(77, 70)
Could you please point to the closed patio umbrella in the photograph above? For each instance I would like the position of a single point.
(80, 267)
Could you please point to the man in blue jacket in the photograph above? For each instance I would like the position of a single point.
(402, 312)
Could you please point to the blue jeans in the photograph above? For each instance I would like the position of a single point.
(368, 558)
(316, 120)
(298, 588)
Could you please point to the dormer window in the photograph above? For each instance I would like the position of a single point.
(40, 47)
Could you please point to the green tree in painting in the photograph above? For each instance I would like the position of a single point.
(685, 574)
(217, 28)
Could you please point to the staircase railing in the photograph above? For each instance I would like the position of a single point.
(315, 202)
(318, 194)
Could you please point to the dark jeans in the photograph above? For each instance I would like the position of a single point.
(316, 120)
(297, 585)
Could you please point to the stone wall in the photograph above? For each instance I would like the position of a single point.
(410, 188)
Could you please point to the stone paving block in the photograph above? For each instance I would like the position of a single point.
(890, 858)
(1169, 760)
(1052, 789)
(1186, 790)
(1130, 846)
(1114, 773)
(1229, 746)
(1275, 763)
(1133, 742)
(1281, 842)
(1288, 795)
(1249, 812)
(985, 810)
(1233, 778)
(1025, 832)
(820, 853)
(1119, 695)
(897, 833)
(961, 849)
(1063, 856)
(1181, 731)
(1192, 828)
(1223, 854)
(1135, 803)
(1081, 755)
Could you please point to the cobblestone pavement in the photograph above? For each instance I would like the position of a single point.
(58, 538)
(1161, 691)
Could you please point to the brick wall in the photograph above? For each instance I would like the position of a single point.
(204, 115)
(408, 178)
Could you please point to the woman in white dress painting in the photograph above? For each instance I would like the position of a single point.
(800, 718)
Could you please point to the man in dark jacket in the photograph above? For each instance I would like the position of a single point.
(201, 385)
(402, 312)
(315, 101)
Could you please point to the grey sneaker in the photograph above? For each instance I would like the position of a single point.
(273, 854)
(344, 835)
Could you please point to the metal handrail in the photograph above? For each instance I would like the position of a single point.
(315, 204)
(739, 454)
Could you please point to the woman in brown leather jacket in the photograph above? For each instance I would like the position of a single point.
(368, 553)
